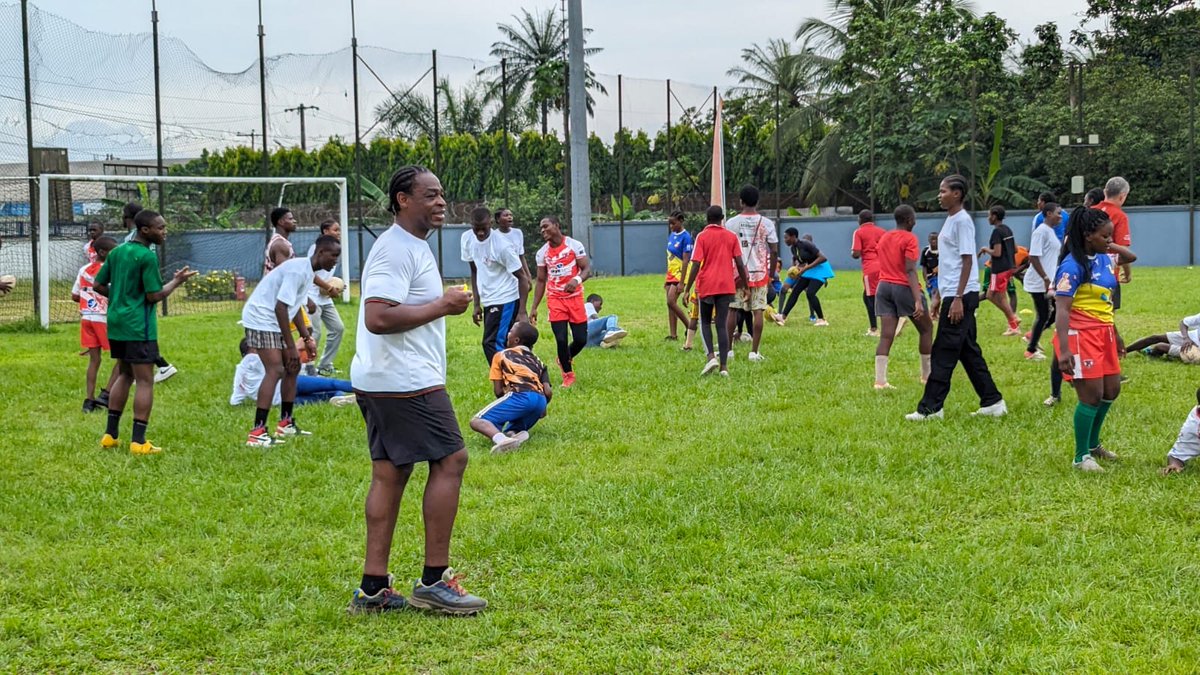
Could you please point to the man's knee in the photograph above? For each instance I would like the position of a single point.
(453, 465)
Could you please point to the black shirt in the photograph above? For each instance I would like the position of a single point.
(1002, 235)
(804, 252)
(929, 261)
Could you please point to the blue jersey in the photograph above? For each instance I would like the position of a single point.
(1092, 289)
(679, 243)
(1060, 230)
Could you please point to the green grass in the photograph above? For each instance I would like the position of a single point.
(784, 519)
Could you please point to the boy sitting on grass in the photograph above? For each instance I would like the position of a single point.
(93, 322)
(522, 387)
(1187, 445)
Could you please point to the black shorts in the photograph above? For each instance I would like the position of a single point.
(412, 429)
(895, 300)
(131, 351)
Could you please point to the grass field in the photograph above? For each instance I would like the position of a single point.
(787, 518)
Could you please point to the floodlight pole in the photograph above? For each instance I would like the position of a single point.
(581, 185)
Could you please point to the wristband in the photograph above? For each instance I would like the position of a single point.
(577, 279)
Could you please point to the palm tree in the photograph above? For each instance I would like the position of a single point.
(776, 67)
(535, 49)
(462, 112)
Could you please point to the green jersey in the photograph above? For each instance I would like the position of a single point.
(131, 271)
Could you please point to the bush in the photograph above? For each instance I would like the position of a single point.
(216, 285)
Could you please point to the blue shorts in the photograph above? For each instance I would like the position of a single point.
(515, 411)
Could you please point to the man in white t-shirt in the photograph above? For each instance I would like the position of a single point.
(603, 331)
(275, 303)
(957, 335)
(1044, 248)
(760, 250)
(250, 372)
(499, 283)
(320, 296)
(399, 376)
(513, 235)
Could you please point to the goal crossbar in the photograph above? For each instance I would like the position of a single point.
(44, 181)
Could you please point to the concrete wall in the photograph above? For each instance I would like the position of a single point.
(1160, 238)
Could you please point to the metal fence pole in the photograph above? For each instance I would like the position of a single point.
(778, 151)
(670, 157)
(437, 150)
(1191, 160)
(357, 143)
(262, 92)
(36, 223)
(619, 147)
(504, 122)
(158, 144)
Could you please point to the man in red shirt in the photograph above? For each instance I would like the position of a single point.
(562, 267)
(718, 252)
(1116, 191)
(866, 238)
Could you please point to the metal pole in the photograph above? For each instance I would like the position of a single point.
(343, 216)
(871, 188)
(1191, 160)
(619, 146)
(262, 91)
(300, 109)
(357, 137)
(778, 175)
(37, 222)
(670, 156)
(42, 274)
(437, 151)
(581, 180)
(504, 122)
(162, 187)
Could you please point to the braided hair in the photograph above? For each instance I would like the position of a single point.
(956, 182)
(678, 216)
(402, 181)
(1084, 222)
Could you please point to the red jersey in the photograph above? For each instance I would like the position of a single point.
(894, 248)
(866, 239)
(561, 263)
(716, 248)
(92, 305)
(1120, 223)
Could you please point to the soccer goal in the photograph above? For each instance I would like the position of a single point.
(215, 225)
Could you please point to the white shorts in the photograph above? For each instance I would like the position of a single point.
(1177, 341)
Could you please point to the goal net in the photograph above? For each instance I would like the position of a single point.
(217, 226)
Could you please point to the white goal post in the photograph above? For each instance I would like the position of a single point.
(44, 181)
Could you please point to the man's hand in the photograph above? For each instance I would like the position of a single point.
(477, 315)
(956, 310)
(1173, 466)
(291, 360)
(1125, 275)
(1066, 360)
(522, 315)
(455, 301)
(571, 285)
(1046, 280)
(533, 317)
(684, 299)
(184, 274)
(1120, 346)
(919, 314)
(310, 346)
(311, 307)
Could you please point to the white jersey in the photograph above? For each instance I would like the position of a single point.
(495, 263)
(247, 378)
(1187, 445)
(287, 283)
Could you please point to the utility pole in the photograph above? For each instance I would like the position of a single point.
(581, 200)
(301, 108)
(252, 135)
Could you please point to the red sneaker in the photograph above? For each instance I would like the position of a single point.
(568, 380)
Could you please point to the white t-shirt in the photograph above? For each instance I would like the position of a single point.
(314, 291)
(957, 239)
(288, 283)
(495, 261)
(400, 269)
(247, 379)
(755, 233)
(1046, 246)
(514, 236)
(1193, 325)
(591, 311)
(1187, 445)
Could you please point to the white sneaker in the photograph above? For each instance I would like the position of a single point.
(724, 373)
(820, 322)
(999, 409)
(611, 338)
(921, 417)
(520, 437)
(506, 445)
(1050, 402)
(165, 373)
(731, 356)
(1011, 331)
(874, 332)
(712, 365)
(343, 401)
(1088, 465)
(756, 357)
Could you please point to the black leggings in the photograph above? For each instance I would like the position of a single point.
(745, 322)
(810, 287)
(869, 301)
(567, 353)
(1045, 317)
(716, 308)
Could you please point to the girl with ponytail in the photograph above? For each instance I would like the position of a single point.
(1087, 345)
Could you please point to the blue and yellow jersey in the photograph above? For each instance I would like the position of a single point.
(678, 244)
(1092, 289)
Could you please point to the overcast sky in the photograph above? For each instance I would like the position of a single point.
(686, 40)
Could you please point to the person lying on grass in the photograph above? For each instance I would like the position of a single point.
(1181, 344)
(1187, 445)
(522, 387)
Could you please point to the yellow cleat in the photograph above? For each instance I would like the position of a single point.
(146, 448)
(108, 442)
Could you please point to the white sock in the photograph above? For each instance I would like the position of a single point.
(881, 364)
(926, 365)
(499, 437)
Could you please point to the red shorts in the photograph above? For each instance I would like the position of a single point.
(1095, 352)
(870, 281)
(93, 334)
(567, 309)
(999, 282)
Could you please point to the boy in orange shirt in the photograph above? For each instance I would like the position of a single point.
(93, 324)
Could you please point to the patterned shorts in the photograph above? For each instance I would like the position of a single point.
(261, 339)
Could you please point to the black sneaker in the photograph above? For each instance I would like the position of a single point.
(386, 600)
(89, 405)
(446, 596)
(102, 400)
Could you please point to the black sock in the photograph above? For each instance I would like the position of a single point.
(139, 431)
(162, 363)
(114, 423)
(260, 417)
(372, 584)
(432, 575)
(285, 409)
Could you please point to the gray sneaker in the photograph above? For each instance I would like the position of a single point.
(446, 596)
(386, 600)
